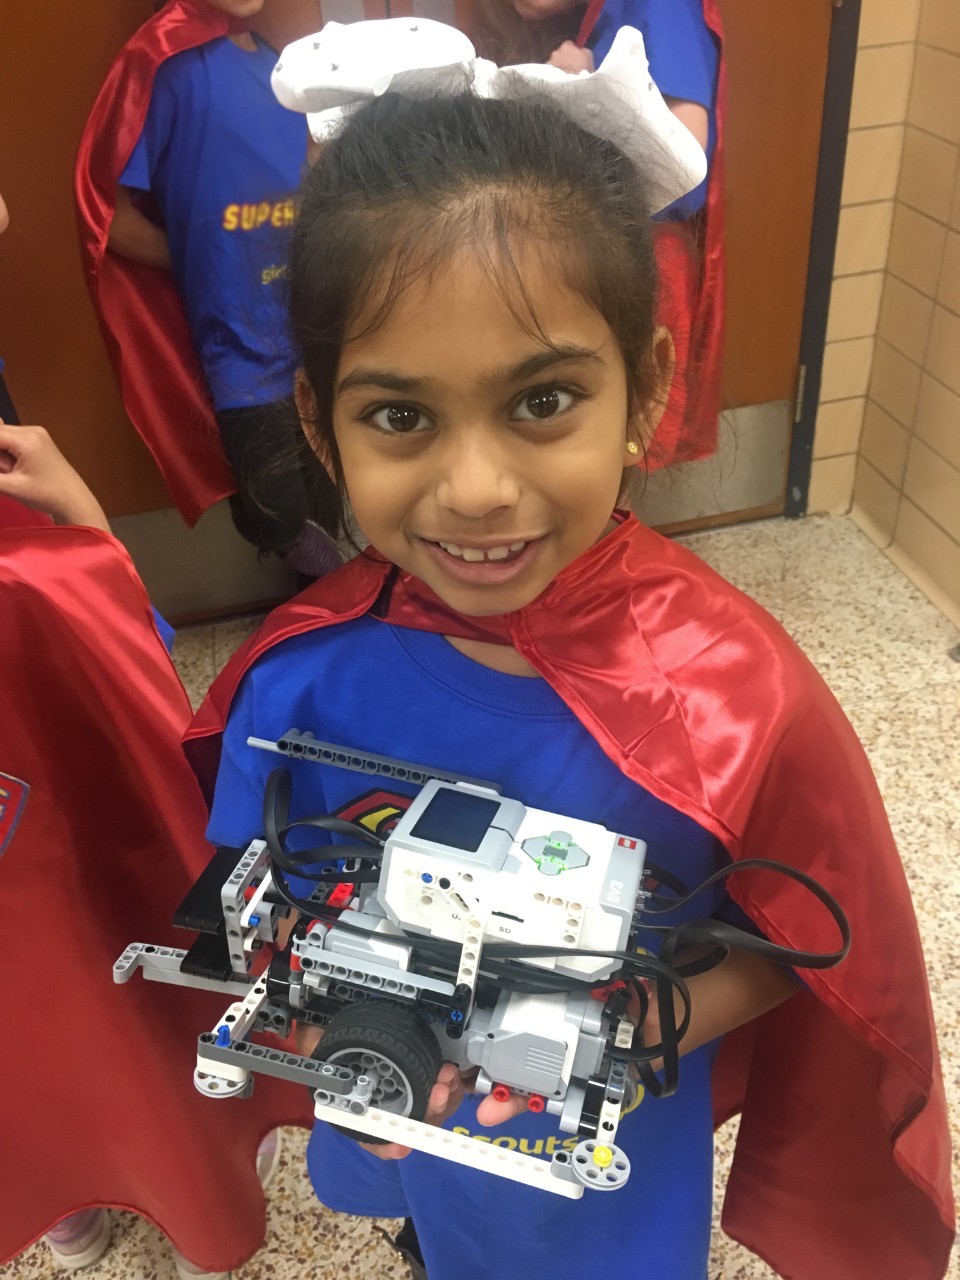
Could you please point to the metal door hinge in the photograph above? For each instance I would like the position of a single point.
(801, 388)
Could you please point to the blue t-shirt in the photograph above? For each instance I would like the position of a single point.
(223, 159)
(684, 60)
(167, 633)
(411, 695)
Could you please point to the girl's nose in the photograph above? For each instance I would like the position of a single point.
(476, 479)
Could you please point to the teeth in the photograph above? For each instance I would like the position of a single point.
(473, 554)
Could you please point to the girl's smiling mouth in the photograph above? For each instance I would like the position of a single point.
(494, 563)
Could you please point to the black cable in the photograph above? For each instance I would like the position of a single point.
(276, 812)
(669, 881)
(728, 935)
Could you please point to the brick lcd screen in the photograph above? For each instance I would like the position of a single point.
(457, 819)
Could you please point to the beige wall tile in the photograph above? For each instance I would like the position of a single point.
(905, 319)
(935, 96)
(863, 238)
(846, 369)
(934, 486)
(940, 24)
(888, 21)
(875, 503)
(881, 85)
(838, 428)
(895, 383)
(916, 248)
(927, 173)
(831, 485)
(854, 306)
(935, 554)
(937, 421)
(949, 289)
(943, 352)
(872, 167)
(884, 443)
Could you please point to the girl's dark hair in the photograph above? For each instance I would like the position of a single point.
(409, 182)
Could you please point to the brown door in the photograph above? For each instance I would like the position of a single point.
(55, 55)
(56, 365)
(777, 62)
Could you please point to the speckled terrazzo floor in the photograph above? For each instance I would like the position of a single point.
(884, 650)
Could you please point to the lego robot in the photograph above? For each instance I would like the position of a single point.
(481, 932)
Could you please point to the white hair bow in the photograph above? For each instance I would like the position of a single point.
(331, 74)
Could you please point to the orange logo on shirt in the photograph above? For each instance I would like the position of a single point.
(249, 217)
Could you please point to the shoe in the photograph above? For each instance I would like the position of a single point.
(268, 1161)
(187, 1271)
(268, 1157)
(405, 1243)
(80, 1240)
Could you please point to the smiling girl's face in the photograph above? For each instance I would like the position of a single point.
(481, 454)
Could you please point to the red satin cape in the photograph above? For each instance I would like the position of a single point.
(139, 308)
(691, 268)
(100, 1107)
(842, 1167)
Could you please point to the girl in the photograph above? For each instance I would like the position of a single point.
(187, 130)
(473, 292)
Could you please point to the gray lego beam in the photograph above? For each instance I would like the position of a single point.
(275, 1062)
(162, 964)
(304, 746)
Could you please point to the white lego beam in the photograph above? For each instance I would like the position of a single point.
(514, 1165)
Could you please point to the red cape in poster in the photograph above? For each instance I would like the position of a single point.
(842, 1168)
(140, 311)
(690, 262)
(101, 835)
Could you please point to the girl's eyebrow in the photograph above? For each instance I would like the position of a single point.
(539, 362)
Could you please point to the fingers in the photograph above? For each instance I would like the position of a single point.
(445, 1097)
(8, 447)
(306, 1038)
(491, 1112)
(20, 443)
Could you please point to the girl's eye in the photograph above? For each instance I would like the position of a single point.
(543, 403)
(398, 419)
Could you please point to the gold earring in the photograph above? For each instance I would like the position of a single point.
(632, 447)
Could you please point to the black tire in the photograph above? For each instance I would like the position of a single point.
(400, 1040)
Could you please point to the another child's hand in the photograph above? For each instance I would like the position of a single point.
(570, 57)
(34, 471)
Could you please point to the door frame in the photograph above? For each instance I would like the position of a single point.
(838, 92)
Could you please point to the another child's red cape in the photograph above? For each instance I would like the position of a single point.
(842, 1167)
(690, 263)
(101, 835)
(139, 308)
